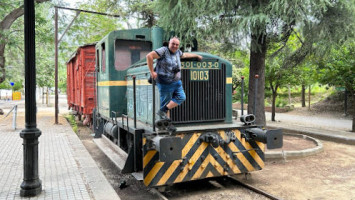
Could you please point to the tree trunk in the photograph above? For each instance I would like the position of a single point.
(353, 111)
(257, 67)
(309, 97)
(273, 108)
(2, 61)
(289, 94)
(303, 95)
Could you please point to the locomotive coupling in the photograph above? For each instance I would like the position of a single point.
(169, 147)
(247, 119)
(216, 140)
(272, 138)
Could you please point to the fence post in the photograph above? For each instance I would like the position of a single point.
(14, 117)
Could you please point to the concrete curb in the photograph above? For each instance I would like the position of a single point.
(112, 151)
(296, 154)
(319, 135)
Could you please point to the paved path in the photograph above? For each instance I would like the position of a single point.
(327, 123)
(327, 128)
(66, 168)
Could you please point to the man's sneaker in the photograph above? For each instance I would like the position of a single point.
(163, 115)
(171, 128)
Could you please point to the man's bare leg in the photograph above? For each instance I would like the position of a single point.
(171, 105)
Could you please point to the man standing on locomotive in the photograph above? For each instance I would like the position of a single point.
(168, 77)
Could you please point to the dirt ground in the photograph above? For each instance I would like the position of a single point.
(133, 189)
(292, 143)
(327, 175)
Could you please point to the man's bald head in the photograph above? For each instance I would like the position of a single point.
(174, 44)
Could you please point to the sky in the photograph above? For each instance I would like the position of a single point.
(72, 3)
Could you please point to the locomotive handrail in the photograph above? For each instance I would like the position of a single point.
(125, 116)
(153, 118)
(134, 102)
(115, 113)
(142, 64)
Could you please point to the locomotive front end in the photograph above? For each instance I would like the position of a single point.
(208, 143)
(201, 154)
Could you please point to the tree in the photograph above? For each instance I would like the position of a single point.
(90, 28)
(307, 78)
(277, 76)
(13, 11)
(261, 21)
(141, 11)
(338, 67)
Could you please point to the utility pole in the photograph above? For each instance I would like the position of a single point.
(31, 185)
(56, 65)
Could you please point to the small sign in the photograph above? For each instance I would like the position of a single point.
(12, 84)
(16, 96)
(199, 65)
(199, 75)
(341, 89)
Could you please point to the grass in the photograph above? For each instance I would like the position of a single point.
(318, 93)
(72, 122)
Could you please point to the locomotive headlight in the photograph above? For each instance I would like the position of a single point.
(272, 138)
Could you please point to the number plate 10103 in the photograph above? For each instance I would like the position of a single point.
(199, 75)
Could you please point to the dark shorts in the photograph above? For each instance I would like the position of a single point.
(171, 92)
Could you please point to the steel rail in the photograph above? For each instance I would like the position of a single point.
(159, 194)
(257, 190)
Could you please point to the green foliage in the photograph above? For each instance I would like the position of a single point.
(229, 21)
(237, 74)
(275, 74)
(5, 85)
(14, 51)
(144, 10)
(135, 13)
(281, 102)
(264, 24)
(338, 67)
(72, 122)
(17, 86)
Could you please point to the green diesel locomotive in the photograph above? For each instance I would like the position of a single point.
(208, 143)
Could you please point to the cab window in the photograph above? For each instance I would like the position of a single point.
(127, 52)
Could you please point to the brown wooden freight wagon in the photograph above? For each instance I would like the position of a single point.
(81, 82)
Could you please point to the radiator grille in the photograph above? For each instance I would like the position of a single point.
(205, 100)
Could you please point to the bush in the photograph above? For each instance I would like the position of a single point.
(237, 95)
(280, 102)
(72, 122)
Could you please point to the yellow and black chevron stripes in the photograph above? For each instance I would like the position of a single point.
(201, 160)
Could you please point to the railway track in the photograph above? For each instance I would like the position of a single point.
(223, 183)
(216, 185)
(255, 189)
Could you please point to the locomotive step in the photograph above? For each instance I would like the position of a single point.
(165, 125)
